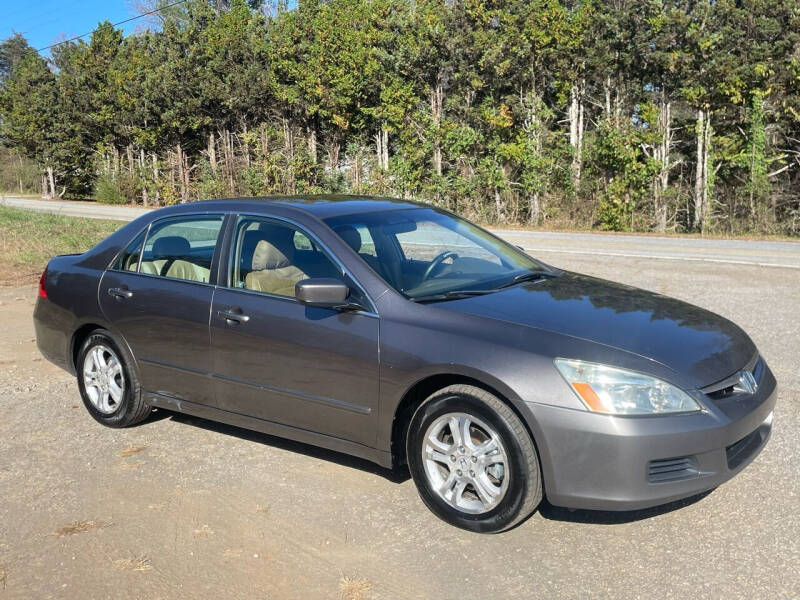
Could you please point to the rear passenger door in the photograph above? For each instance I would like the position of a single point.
(277, 360)
(157, 296)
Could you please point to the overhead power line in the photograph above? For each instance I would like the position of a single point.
(128, 20)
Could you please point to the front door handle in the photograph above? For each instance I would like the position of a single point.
(120, 293)
(230, 315)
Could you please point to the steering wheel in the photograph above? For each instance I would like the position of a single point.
(438, 259)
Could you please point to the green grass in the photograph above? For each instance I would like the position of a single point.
(29, 239)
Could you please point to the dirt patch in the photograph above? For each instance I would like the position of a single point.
(204, 532)
(140, 563)
(79, 527)
(130, 450)
(353, 588)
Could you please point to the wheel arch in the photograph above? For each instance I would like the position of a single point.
(78, 338)
(421, 389)
(84, 331)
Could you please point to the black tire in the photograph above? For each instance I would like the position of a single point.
(524, 491)
(132, 409)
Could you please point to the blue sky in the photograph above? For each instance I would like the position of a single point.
(47, 21)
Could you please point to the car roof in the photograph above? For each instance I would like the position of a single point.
(322, 206)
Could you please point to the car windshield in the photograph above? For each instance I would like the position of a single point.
(429, 255)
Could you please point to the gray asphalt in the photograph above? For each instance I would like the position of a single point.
(770, 254)
(213, 511)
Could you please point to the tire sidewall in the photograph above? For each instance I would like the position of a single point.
(505, 513)
(119, 415)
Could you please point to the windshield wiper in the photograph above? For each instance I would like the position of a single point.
(454, 295)
(528, 276)
(457, 294)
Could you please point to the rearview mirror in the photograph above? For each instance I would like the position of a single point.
(322, 292)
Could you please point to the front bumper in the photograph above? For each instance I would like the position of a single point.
(602, 462)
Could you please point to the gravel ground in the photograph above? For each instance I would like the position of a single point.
(180, 507)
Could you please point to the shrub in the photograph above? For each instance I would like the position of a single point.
(107, 191)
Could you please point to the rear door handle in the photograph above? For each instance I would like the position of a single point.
(229, 315)
(120, 293)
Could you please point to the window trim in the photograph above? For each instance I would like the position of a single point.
(213, 273)
(225, 281)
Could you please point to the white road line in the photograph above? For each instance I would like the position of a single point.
(691, 258)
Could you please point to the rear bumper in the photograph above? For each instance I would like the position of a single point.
(601, 462)
(51, 339)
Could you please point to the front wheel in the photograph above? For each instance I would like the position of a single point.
(472, 460)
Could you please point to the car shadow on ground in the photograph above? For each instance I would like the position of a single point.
(401, 474)
(398, 475)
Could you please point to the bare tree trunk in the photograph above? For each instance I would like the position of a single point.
(379, 148)
(536, 208)
(699, 178)
(212, 153)
(171, 165)
(155, 179)
(333, 154)
(145, 199)
(576, 130)
(227, 146)
(312, 143)
(186, 173)
(437, 103)
(662, 154)
(385, 146)
(288, 144)
(181, 176)
(115, 152)
(264, 141)
(243, 140)
(499, 207)
(129, 153)
(51, 180)
(706, 178)
(701, 184)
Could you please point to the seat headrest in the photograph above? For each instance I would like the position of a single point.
(171, 246)
(350, 236)
(250, 240)
(267, 256)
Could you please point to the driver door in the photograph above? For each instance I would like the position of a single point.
(277, 360)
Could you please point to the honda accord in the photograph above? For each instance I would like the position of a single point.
(405, 335)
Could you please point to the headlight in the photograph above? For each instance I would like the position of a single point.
(620, 392)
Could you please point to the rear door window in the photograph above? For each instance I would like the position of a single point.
(181, 248)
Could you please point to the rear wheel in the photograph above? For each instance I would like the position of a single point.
(473, 462)
(108, 384)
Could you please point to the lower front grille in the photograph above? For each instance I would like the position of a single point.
(743, 449)
(671, 469)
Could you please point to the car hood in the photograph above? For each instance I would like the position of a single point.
(698, 344)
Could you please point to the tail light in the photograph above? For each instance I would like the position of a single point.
(42, 289)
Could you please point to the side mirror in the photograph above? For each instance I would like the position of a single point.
(322, 292)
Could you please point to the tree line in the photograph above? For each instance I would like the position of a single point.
(660, 115)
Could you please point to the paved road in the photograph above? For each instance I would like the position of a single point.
(735, 252)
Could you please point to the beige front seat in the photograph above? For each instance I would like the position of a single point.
(273, 271)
